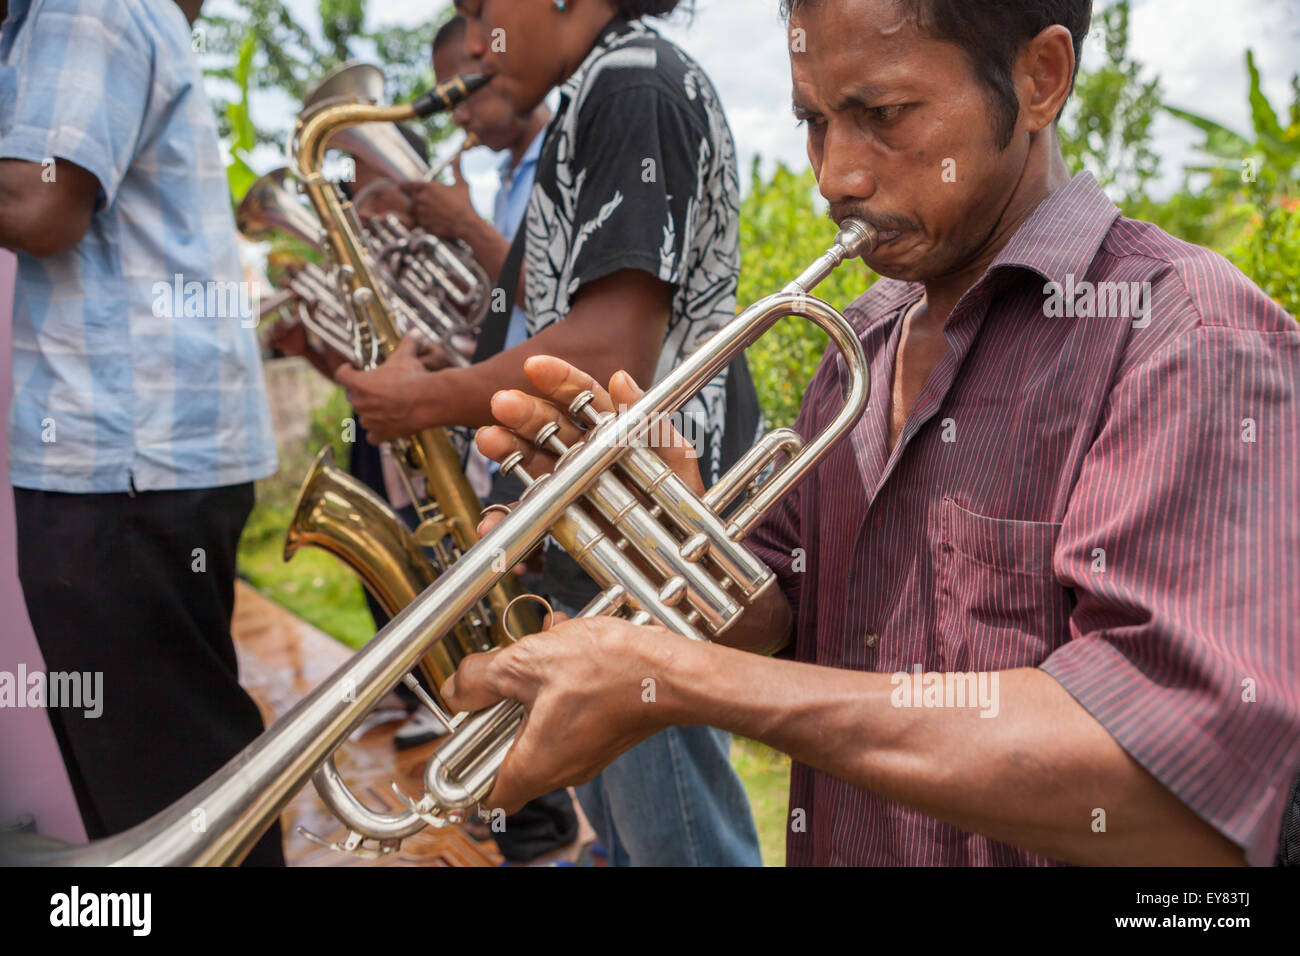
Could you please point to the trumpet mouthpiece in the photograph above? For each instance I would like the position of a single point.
(857, 237)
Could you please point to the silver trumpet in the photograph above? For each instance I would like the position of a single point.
(693, 576)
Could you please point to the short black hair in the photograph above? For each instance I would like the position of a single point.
(636, 9)
(449, 32)
(992, 33)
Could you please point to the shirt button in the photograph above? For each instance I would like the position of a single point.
(873, 639)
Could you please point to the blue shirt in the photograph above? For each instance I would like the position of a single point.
(508, 215)
(135, 358)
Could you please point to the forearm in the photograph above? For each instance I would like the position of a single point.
(327, 363)
(463, 396)
(41, 216)
(17, 217)
(489, 246)
(1034, 775)
(766, 627)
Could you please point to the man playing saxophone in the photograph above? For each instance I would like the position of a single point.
(629, 258)
(1032, 611)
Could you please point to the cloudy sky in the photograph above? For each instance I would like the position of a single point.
(1196, 47)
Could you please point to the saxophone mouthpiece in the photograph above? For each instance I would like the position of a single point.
(447, 96)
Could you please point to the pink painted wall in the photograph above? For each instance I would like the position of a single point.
(32, 779)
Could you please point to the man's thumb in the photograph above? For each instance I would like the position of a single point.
(623, 389)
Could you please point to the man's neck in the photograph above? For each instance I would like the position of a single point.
(190, 8)
(584, 26)
(528, 129)
(1044, 173)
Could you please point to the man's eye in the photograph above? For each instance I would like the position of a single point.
(886, 114)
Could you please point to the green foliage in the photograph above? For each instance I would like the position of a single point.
(1106, 128)
(406, 55)
(1244, 197)
(765, 774)
(1269, 252)
(315, 586)
(243, 135)
(1259, 168)
(781, 234)
(266, 49)
(327, 426)
(341, 21)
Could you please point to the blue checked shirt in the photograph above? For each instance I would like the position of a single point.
(135, 360)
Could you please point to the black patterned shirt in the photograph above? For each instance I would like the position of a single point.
(638, 171)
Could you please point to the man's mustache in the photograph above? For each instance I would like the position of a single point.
(881, 222)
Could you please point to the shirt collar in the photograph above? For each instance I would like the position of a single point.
(1061, 237)
(616, 28)
(532, 154)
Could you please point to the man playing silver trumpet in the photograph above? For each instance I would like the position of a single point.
(1037, 603)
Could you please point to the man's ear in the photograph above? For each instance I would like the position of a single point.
(1044, 76)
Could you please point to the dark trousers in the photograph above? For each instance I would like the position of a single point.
(141, 588)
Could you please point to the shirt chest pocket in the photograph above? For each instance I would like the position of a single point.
(999, 605)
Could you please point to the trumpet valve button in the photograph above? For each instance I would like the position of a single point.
(695, 548)
(546, 438)
(580, 408)
(673, 591)
(514, 465)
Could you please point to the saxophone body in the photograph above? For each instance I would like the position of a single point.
(339, 514)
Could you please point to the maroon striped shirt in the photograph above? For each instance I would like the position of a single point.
(1111, 498)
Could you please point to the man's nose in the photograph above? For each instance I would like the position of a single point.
(475, 45)
(844, 173)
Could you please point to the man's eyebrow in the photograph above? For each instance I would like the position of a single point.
(860, 96)
(857, 97)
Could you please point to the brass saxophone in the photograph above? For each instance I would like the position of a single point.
(339, 514)
(335, 511)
